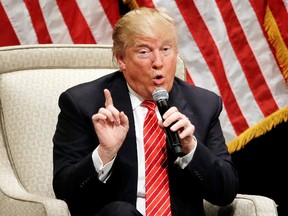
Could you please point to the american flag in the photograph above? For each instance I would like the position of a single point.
(237, 49)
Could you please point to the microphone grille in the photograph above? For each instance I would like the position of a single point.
(160, 94)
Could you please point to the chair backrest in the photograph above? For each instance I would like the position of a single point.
(31, 80)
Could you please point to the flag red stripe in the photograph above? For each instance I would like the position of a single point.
(111, 11)
(259, 6)
(210, 52)
(146, 3)
(250, 67)
(279, 12)
(76, 23)
(8, 36)
(188, 78)
(38, 21)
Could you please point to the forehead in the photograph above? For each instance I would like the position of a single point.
(153, 41)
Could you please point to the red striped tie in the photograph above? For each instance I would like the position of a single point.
(157, 185)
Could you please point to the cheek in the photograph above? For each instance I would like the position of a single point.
(138, 67)
(137, 70)
(171, 66)
(136, 77)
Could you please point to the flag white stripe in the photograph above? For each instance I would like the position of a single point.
(227, 127)
(286, 4)
(20, 20)
(55, 23)
(97, 20)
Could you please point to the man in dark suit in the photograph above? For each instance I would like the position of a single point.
(99, 166)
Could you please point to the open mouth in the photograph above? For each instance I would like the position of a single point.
(159, 79)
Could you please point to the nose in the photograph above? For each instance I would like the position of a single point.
(157, 60)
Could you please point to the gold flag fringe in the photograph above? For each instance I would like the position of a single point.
(132, 4)
(276, 40)
(259, 129)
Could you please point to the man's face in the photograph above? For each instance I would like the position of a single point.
(149, 63)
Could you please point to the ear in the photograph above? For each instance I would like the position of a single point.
(121, 61)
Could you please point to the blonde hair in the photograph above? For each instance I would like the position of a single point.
(143, 21)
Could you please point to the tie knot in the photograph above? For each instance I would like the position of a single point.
(149, 104)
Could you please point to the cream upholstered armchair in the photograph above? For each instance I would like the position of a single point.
(31, 80)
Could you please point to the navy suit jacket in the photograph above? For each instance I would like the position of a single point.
(210, 174)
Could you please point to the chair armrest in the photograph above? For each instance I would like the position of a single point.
(15, 200)
(28, 204)
(243, 205)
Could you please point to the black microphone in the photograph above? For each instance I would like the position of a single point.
(160, 96)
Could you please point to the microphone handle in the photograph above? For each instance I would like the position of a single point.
(173, 137)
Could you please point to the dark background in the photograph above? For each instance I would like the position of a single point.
(262, 167)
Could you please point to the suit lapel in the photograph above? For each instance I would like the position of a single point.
(176, 98)
(127, 155)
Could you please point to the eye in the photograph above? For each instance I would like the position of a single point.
(143, 53)
(166, 50)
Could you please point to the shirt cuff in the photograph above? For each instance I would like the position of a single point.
(183, 162)
(102, 170)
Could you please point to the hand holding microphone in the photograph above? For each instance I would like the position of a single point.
(160, 96)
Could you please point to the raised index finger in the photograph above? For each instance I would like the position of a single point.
(108, 98)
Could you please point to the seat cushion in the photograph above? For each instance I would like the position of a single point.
(244, 205)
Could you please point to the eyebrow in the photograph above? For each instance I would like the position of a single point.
(169, 42)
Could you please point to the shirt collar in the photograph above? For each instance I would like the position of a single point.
(136, 99)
